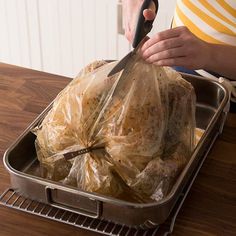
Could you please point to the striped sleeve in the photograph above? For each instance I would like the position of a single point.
(213, 21)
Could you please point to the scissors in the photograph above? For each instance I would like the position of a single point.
(143, 27)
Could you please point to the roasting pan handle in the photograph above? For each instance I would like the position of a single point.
(72, 202)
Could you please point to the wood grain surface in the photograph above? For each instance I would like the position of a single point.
(210, 208)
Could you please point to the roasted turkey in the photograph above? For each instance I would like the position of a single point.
(138, 123)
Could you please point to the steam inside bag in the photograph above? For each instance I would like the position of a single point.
(139, 125)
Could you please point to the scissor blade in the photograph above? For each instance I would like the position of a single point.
(120, 65)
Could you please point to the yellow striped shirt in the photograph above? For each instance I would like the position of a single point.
(213, 21)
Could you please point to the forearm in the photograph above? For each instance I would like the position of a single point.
(222, 60)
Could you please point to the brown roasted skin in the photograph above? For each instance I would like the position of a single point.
(144, 118)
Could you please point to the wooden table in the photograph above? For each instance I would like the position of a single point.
(210, 208)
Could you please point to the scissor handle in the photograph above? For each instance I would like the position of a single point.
(143, 27)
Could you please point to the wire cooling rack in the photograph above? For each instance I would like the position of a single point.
(12, 199)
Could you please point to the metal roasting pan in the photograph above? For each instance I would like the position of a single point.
(21, 162)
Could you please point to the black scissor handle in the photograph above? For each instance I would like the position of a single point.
(143, 27)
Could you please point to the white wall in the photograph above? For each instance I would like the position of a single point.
(61, 36)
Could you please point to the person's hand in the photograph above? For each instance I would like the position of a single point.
(131, 10)
(176, 47)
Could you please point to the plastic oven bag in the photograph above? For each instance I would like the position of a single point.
(139, 131)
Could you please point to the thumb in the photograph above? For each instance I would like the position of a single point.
(149, 14)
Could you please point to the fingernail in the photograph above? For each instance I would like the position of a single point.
(141, 51)
(143, 47)
(146, 58)
(144, 55)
